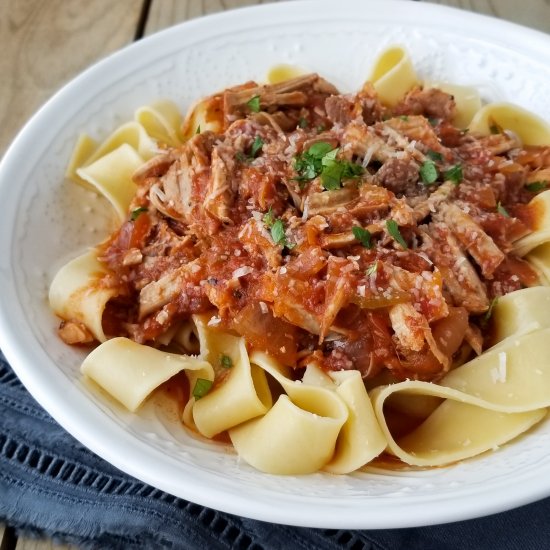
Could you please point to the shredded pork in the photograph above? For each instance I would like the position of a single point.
(326, 228)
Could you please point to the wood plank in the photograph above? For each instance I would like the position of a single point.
(44, 44)
(531, 13)
(164, 13)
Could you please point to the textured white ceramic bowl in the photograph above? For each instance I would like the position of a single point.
(46, 220)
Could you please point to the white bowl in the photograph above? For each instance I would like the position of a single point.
(46, 220)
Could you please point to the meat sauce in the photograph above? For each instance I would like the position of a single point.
(307, 225)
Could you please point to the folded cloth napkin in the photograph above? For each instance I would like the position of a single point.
(51, 486)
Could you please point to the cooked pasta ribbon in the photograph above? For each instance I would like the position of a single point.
(393, 75)
(541, 230)
(539, 258)
(488, 401)
(243, 394)
(129, 371)
(521, 312)
(76, 294)
(531, 129)
(111, 176)
(467, 100)
(298, 434)
(107, 168)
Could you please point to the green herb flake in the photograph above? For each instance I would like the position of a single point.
(404, 118)
(454, 174)
(278, 232)
(362, 235)
(137, 212)
(434, 155)
(319, 150)
(241, 157)
(393, 230)
(269, 218)
(303, 123)
(489, 312)
(331, 176)
(320, 160)
(225, 361)
(321, 128)
(372, 269)
(202, 387)
(254, 104)
(433, 121)
(536, 186)
(494, 129)
(428, 172)
(256, 146)
(501, 210)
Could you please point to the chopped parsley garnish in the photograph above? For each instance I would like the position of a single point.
(269, 218)
(198, 130)
(254, 151)
(393, 230)
(320, 160)
(494, 129)
(256, 146)
(372, 269)
(434, 155)
(225, 361)
(535, 186)
(362, 235)
(489, 312)
(502, 210)
(202, 387)
(321, 128)
(303, 123)
(454, 174)
(404, 117)
(136, 213)
(433, 121)
(277, 230)
(428, 172)
(254, 104)
(308, 165)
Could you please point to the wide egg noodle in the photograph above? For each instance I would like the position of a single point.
(393, 75)
(539, 258)
(541, 230)
(531, 129)
(129, 371)
(283, 72)
(467, 101)
(76, 294)
(161, 120)
(520, 312)
(488, 401)
(298, 434)
(111, 176)
(107, 168)
(242, 395)
(360, 440)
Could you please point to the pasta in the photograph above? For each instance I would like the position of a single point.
(338, 276)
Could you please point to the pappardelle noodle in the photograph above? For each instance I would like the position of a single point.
(337, 275)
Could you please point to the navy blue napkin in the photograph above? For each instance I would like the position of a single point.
(51, 486)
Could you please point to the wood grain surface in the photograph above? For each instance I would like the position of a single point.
(531, 13)
(46, 43)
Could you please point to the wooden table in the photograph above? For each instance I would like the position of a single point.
(45, 44)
